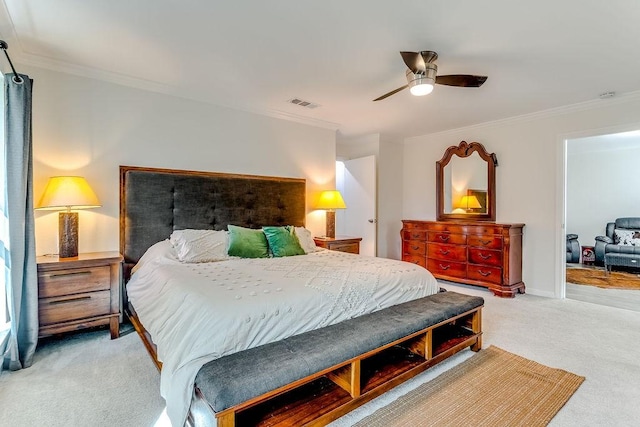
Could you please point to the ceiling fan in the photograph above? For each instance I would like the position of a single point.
(421, 75)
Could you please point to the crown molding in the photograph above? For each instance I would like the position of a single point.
(151, 86)
(552, 112)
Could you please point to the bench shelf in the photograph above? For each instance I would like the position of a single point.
(325, 396)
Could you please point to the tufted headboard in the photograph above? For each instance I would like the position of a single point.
(154, 202)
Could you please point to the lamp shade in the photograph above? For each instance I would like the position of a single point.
(470, 202)
(68, 192)
(331, 199)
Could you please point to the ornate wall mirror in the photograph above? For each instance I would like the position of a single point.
(466, 183)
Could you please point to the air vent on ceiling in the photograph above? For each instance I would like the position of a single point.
(302, 103)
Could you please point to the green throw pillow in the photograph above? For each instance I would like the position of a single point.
(247, 243)
(283, 241)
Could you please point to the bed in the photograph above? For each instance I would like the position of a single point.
(190, 313)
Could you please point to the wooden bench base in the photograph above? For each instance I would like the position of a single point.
(323, 397)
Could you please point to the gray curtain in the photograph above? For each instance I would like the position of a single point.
(18, 255)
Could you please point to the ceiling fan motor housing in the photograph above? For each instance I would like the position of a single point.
(418, 79)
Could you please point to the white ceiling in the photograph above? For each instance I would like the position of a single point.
(341, 54)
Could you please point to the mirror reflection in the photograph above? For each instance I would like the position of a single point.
(466, 185)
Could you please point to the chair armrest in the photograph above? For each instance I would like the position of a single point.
(604, 239)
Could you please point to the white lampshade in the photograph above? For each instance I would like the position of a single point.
(68, 192)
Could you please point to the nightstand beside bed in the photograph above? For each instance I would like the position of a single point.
(79, 292)
(348, 244)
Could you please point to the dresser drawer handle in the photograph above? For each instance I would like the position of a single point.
(485, 242)
(62, 301)
(484, 273)
(73, 273)
(483, 256)
(415, 248)
(416, 262)
(416, 235)
(443, 237)
(445, 267)
(444, 251)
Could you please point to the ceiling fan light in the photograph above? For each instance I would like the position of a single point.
(422, 84)
(421, 89)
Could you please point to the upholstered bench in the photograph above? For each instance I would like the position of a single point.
(246, 378)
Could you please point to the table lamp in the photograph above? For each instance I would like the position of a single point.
(66, 193)
(469, 202)
(330, 201)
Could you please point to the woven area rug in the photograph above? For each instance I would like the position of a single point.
(597, 277)
(492, 388)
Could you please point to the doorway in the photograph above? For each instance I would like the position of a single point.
(600, 186)
(356, 180)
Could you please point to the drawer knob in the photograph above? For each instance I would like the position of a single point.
(445, 267)
(416, 262)
(415, 248)
(485, 242)
(444, 251)
(443, 237)
(415, 235)
(483, 256)
(484, 273)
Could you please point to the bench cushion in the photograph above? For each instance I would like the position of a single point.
(238, 377)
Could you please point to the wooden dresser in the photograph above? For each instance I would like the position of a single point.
(472, 252)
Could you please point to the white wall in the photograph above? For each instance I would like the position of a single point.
(89, 127)
(529, 179)
(603, 182)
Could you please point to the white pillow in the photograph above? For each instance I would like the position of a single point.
(306, 240)
(626, 237)
(200, 245)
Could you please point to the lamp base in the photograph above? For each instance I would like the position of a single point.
(331, 224)
(68, 234)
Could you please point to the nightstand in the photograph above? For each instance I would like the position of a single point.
(339, 243)
(79, 292)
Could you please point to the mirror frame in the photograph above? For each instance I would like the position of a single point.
(463, 150)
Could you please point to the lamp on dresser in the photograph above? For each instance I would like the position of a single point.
(66, 193)
(468, 203)
(330, 201)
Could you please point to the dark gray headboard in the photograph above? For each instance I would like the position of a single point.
(154, 202)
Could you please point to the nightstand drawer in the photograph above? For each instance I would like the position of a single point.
(352, 248)
(72, 307)
(73, 281)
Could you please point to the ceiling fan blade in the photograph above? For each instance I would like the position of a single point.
(414, 62)
(428, 56)
(393, 92)
(464, 80)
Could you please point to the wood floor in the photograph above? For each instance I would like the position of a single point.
(619, 298)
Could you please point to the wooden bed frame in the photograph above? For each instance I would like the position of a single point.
(154, 202)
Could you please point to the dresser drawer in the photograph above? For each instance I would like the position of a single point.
(447, 252)
(414, 247)
(352, 248)
(415, 259)
(489, 242)
(451, 238)
(72, 307)
(73, 281)
(414, 235)
(485, 257)
(484, 273)
(447, 268)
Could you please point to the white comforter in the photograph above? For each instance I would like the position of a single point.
(199, 312)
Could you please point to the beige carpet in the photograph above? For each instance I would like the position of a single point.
(597, 277)
(492, 388)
